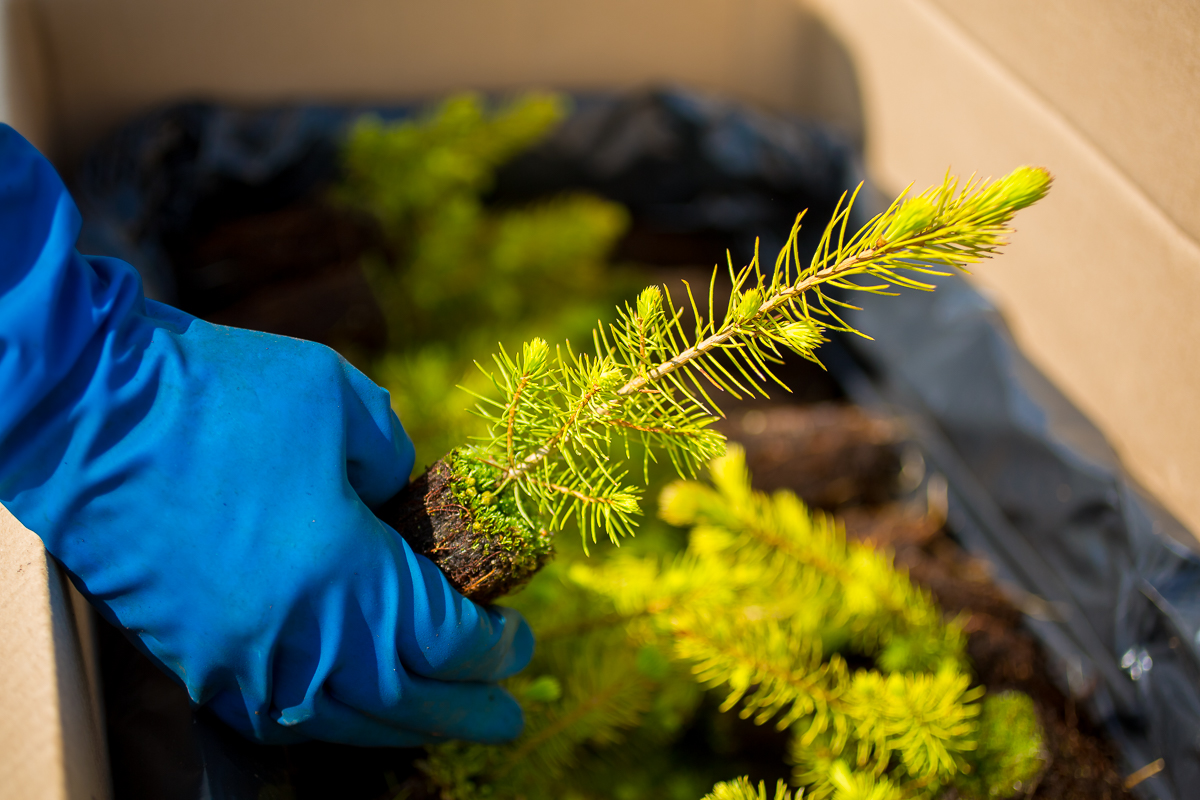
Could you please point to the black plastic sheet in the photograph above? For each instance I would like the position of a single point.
(1036, 489)
(1033, 486)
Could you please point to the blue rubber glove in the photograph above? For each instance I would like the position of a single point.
(208, 490)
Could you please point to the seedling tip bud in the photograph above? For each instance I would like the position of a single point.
(1023, 187)
(535, 353)
(914, 216)
(649, 303)
(748, 304)
(800, 336)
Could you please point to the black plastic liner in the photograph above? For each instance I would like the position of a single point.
(1112, 584)
(1035, 488)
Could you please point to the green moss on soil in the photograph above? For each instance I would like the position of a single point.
(1011, 753)
(498, 524)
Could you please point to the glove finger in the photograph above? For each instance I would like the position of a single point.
(443, 635)
(433, 711)
(379, 453)
(439, 633)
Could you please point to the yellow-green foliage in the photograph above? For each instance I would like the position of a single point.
(397, 172)
(849, 592)
(600, 708)
(742, 789)
(537, 263)
(605, 697)
(848, 785)
(761, 606)
(761, 602)
(562, 421)
(1011, 750)
(457, 276)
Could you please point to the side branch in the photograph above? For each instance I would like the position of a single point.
(554, 487)
(803, 681)
(720, 337)
(640, 383)
(649, 428)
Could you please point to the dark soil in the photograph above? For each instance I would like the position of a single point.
(838, 458)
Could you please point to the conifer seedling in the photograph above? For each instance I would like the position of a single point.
(564, 424)
(772, 609)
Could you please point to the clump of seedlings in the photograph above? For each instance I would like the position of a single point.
(563, 425)
(768, 605)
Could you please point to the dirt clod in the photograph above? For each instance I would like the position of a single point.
(439, 526)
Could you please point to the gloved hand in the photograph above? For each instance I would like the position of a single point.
(208, 490)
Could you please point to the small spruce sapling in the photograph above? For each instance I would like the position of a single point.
(561, 432)
(764, 604)
(770, 606)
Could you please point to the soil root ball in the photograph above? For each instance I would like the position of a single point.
(481, 559)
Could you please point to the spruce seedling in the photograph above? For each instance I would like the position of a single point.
(766, 602)
(773, 609)
(564, 424)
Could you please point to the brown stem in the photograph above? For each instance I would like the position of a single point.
(720, 337)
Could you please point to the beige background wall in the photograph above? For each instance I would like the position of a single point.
(1102, 282)
(108, 59)
(1125, 75)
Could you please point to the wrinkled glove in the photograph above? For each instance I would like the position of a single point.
(208, 489)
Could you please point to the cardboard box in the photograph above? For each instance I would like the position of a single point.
(1099, 287)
